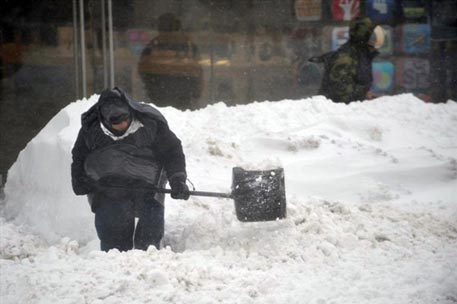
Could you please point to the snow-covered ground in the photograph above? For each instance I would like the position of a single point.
(371, 200)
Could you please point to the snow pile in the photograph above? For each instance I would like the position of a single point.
(371, 195)
(39, 191)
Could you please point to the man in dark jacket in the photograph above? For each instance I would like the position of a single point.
(124, 150)
(347, 71)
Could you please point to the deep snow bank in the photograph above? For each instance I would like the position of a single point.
(38, 191)
(371, 195)
(383, 150)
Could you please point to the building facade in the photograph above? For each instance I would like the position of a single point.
(189, 53)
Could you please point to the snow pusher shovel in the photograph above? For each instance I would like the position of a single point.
(259, 195)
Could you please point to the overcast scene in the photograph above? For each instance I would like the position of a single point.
(371, 210)
(221, 151)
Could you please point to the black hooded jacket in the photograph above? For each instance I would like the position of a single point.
(155, 138)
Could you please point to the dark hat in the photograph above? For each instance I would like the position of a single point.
(114, 110)
(360, 29)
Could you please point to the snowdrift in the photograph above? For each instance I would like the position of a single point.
(371, 195)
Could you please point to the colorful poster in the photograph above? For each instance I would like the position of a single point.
(412, 74)
(339, 36)
(388, 48)
(380, 10)
(413, 9)
(415, 38)
(345, 10)
(308, 10)
(383, 77)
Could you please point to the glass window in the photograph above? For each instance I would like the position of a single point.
(36, 70)
(188, 54)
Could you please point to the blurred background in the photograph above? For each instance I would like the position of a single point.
(189, 54)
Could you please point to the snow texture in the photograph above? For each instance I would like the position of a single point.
(371, 211)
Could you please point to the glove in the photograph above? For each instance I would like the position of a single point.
(179, 189)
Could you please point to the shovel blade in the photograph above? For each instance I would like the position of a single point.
(259, 195)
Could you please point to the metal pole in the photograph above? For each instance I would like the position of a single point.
(75, 48)
(211, 57)
(110, 37)
(83, 47)
(105, 55)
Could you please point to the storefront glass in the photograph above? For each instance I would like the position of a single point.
(192, 53)
(36, 70)
(189, 54)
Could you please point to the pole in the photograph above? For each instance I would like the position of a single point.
(104, 50)
(111, 47)
(75, 47)
(83, 47)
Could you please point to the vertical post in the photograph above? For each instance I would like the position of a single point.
(251, 52)
(211, 56)
(83, 47)
(104, 50)
(111, 48)
(75, 48)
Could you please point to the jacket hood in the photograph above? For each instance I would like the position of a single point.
(360, 30)
(140, 110)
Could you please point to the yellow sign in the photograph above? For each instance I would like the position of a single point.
(308, 10)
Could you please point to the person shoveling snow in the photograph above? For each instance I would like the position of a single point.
(122, 145)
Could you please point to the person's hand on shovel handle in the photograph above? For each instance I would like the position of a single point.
(179, 189)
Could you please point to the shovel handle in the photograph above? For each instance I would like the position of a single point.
(199, 193)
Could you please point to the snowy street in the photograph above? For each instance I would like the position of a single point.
(371, 211)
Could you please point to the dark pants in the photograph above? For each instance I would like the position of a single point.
(115, 221)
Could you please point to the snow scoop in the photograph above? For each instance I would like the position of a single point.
(259, 195)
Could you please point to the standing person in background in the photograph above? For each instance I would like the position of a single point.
(348, 71)
(442, 16)
(124, 150)
(169, 66)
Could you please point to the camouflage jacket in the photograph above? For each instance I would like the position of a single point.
(347, 71)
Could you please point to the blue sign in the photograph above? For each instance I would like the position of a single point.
(416, 38)
(380, 10)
